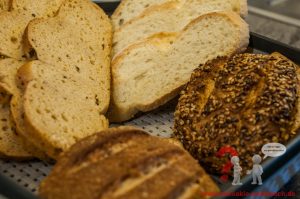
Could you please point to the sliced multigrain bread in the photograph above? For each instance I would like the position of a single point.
(126, 163)
(14, 22)
(13, 144)
(4, 5)
(66, 92)
(148, 74)
(129, 9)
(170, 17)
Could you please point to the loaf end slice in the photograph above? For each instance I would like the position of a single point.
(147, 75)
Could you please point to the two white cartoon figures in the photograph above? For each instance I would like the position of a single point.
(256, 171)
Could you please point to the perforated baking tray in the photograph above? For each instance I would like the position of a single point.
(20, 180)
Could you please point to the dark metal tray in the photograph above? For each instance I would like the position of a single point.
(277, 171)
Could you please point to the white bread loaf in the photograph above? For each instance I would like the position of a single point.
(150, 73)
(170, 17)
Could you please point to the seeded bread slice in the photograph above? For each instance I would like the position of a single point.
(148, 74)
(129, 9)
(170, 17)
(13, 144)
(67, 92)
(4, 5)
(13, 23)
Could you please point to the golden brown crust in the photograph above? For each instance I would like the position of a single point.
(245, 102)
(124, 163)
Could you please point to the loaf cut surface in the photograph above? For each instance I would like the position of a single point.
(129, 9)
(66, 93)
(4, 5)
(148, 74)
(11, 144)
(126, 163)
(244, 102)
(14, 23)
(16, 146)
(170, 17)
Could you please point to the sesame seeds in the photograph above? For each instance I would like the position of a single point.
(253, 102)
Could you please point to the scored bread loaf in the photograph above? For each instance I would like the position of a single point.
(126, 163)
(170, 17)
(66, 92)
(129, 9)
(4, 5)
(13, 144)
(244, 101)
(14, 22)
(150, 73)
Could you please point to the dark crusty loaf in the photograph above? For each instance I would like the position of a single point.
(125, 163)
(245, 102)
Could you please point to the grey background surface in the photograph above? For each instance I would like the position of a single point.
(274, 29)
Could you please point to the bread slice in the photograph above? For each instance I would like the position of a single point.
(59, 107)
(148, 74)
(170, 17)
(11, 144)
(129, 9)
(13, 23)
(14, 146)
(86, 49)
(4, 5)
(66, 92)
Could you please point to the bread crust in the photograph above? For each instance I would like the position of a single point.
(110, 163)
(243, 102)
(170, 6)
